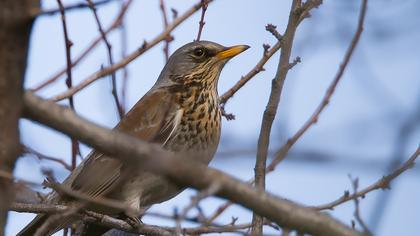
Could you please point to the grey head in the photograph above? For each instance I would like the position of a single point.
(197, 63)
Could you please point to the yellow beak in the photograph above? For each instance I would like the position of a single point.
(231, 51)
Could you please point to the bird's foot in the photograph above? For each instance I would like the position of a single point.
(134, 221)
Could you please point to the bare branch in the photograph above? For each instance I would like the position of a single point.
(165, 24)
(41, 156)
(115, 24)
(114, 92)
(140, 51)
(69, 82)
(273, 102)
(355, 184)
(124, 42)
(254, 71)
(90, 216)
(154, 158)
(204, 5)
(75, 6)
(212, 190)
(281, 154)
(15, 29)
(383, 183)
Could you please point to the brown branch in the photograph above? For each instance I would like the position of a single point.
(153, 158)
(54, 219)
(15, 28)
(68, 45)
(114, 92)
(41, 156)
(383, 183)
(111, 222)
(254, 71)
(124, 40)
(76, 6)
(273, 102)
(165, 24)
(358, 217)
(82, 197)
(69, 83)
(214, 188)
(281, 154)
(204, 5)
(140, 51)
(116, 23)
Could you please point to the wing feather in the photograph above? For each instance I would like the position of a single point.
(154, 118)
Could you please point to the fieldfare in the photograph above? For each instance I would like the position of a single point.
(180, 112)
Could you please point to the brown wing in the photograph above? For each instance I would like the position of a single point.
(151, 119)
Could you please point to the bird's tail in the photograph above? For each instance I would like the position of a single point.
(40, 219)
(32, 227)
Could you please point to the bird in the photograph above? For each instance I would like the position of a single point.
(180, 112)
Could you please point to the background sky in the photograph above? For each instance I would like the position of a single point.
(372, 120)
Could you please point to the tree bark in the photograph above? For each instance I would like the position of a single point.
(15, 28)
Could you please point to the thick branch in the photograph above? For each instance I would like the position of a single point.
(153, 158)
(281, 154)
(274, 100)
(15, 28)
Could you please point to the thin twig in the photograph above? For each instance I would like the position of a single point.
(82, 197)
(124, 42)
(54, 219)
(204, 5)
(76, 6)
(254, 71)
(87, 50)
(105, 220)
(165, 24)
(41, 156)
(114, 92)
(355, 184)
(213, 189)
(383, 183)
(281, 154)
(140, 51)
(69, 82)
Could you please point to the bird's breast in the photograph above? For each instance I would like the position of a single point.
(198, 128)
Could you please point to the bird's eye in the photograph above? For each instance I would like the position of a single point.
(199, 52)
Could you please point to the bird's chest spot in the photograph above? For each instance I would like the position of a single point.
(199, 128)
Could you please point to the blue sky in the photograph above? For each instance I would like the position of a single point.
(357, 132)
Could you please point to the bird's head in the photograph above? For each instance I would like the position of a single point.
(198, 63)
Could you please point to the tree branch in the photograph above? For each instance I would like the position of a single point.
(114, 92)
(140, 51)
(75, 6)
(15, 28)
(268, 52)
(274, 100)
(383, 183)
(115, 24)
(281, 154)
(153, 158)
(204, 5)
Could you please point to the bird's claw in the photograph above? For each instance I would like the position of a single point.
(134, 221)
